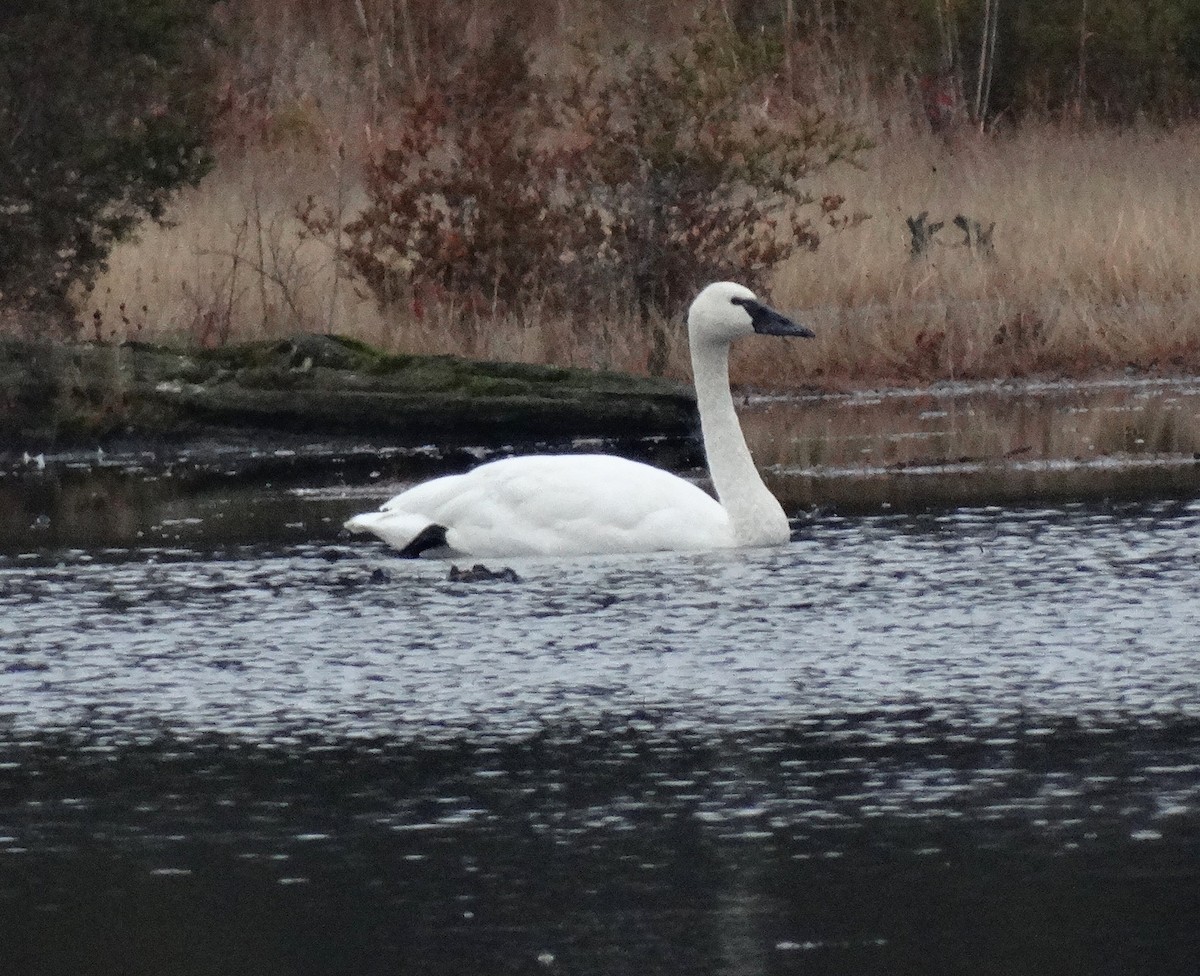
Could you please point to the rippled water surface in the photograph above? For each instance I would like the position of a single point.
(956, 741)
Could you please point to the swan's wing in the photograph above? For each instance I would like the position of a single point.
(569, 504)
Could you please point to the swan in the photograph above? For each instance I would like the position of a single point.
(591, 504)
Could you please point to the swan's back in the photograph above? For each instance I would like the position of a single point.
(557, 505)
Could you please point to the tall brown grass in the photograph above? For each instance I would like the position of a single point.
(1095, 269)
(1096, 265)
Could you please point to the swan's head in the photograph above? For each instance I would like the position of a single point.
(726, 311)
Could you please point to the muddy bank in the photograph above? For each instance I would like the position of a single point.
(84, 394)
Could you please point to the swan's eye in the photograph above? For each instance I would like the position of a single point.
(751, 305)
(767, 321)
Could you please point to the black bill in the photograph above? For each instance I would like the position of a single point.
(767, 321)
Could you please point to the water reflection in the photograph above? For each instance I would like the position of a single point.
(955, 740)
(222, 492)
(992, 443)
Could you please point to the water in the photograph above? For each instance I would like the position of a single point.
(984, 443)
(940, 742)
(952, 445)
(934, 734)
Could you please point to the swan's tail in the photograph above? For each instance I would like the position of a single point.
(411, 534)
(365, 522)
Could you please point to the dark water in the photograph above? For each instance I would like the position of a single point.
(954, 727)
(950, 741)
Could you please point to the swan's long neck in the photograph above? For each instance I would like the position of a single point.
(755, 515)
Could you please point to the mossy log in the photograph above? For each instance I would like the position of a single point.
(321, 384)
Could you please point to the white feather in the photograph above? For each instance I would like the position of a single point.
(558, 505)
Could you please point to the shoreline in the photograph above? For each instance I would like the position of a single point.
(93, 394)
(873, 452)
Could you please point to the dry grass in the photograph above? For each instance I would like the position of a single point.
(234, 266)
(1095, 268)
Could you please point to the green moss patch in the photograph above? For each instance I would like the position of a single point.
(322, 384)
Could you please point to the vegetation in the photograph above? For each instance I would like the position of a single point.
(598, 160)
(604, 188)
(1005, 61)
(101, 118)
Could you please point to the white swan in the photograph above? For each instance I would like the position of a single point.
(568, 504)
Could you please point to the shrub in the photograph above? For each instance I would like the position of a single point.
(102, 117)
(631, 186)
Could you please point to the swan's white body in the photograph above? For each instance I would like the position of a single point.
(558, 505)
(555, 505)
